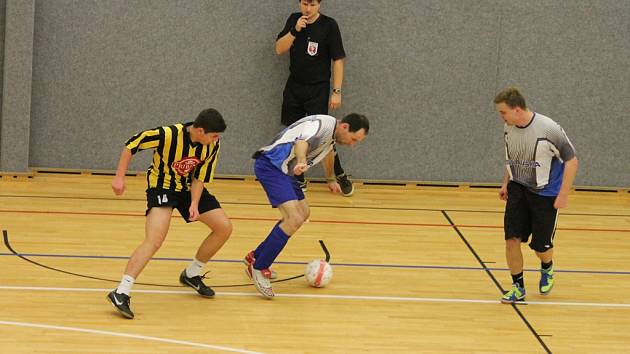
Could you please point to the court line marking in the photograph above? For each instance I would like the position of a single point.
(367, 265)
(324, 296)
(322, 221)
(496, 282)
(127, 335)
(314, 205)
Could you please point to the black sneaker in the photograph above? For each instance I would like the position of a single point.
(121, 303)
(197, 284)
(347, 189)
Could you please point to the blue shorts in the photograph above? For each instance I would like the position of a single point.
(280, 188)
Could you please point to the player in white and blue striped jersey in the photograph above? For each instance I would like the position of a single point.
(291, 153)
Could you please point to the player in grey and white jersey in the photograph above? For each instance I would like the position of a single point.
(541, 165)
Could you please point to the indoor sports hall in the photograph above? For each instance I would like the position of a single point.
(418, 251)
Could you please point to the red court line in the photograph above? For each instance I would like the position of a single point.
(363, 222)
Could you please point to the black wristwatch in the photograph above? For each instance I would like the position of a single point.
(336, 90)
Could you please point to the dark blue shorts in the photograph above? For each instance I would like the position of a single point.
(279, 187)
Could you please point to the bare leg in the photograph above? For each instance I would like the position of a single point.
(546, 256)
(221, 228)
(513, 255)
(294, 213)
(156, 227)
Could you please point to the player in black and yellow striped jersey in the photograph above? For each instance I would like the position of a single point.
(184, 158)
(174, 156)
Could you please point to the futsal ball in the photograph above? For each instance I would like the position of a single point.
(318, 273)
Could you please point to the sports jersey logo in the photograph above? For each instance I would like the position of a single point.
(311, 49)
(185, 165)
(528, 164)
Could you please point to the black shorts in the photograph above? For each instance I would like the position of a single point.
(529, 213)
(301, 100)
(157, 197)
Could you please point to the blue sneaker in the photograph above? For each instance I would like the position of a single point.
(515, 294)
(546, 281)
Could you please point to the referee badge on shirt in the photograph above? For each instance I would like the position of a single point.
(311, 49)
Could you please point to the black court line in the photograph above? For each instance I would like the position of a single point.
(315, 205)
(496, 282)
(5, 235)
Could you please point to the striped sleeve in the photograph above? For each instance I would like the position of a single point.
(205, 171)
(148, 139)
(561, 141)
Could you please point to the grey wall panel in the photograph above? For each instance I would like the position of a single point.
(3, 4)
(572, 59)
(16, 85)
(107, 69)
(425, 72)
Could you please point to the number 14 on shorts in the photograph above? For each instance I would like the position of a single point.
(162, 199)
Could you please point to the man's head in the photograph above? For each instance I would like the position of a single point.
(511, 106)
(309, 8)
(207, 127)
(352, 129)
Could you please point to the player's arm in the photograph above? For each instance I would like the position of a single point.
(118, 184)
(570, 170)
(337, 74)
(503, 191)
(284, 43)
(300, 147)
(195, 195)
(329, 169)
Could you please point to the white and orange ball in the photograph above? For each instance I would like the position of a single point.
(318, 273)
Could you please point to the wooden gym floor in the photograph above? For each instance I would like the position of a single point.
(416, 270)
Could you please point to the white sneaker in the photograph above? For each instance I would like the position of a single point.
(249, 260)
(260, 278)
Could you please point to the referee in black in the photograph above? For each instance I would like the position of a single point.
(313, 41)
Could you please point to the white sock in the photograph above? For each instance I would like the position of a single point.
(125, 285)
(194, 268)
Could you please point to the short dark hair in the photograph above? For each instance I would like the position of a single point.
(311, 1)
(357, 122)
(211, 121)
(511, 97)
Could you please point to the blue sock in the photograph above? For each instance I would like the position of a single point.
(259, 248)
(270, 248)
(262, 244)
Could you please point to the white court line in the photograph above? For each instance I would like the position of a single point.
(341, 297)
(126, 335)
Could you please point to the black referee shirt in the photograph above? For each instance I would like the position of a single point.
(313, 49)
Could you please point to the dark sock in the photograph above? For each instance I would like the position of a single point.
(338, 169)
(270, 248)
(262, 244)
(518, 278)
(546, 266)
